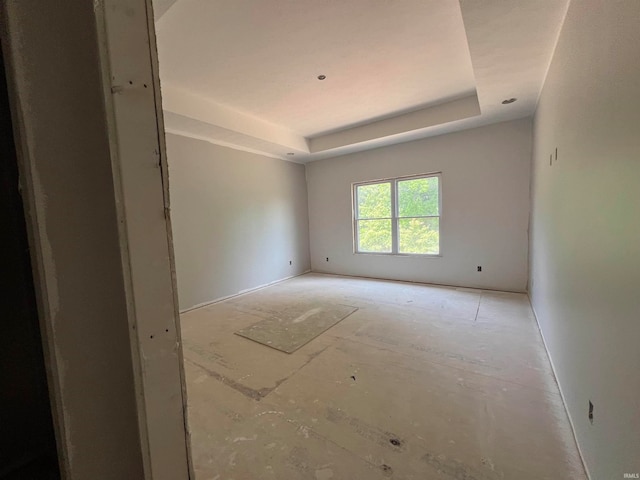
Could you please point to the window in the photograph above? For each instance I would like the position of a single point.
(398, 216)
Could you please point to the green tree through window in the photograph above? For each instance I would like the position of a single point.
(398, 216)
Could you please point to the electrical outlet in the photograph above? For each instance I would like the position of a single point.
(290, 262)
(479, 268)
(327, 259)
(591, 412)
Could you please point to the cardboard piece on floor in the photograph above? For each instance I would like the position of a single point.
(297, 325)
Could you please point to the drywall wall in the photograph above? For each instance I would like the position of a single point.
(70, 202)
(131, 88)
(93, 178)
(585, 242)
(238, 219)
(485, 207)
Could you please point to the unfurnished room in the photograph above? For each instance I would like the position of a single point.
(336, 239)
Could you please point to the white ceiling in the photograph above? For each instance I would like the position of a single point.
(243, 73)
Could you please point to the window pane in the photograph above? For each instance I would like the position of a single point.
(374, 201)
(374, 236)
(418, 197)
(419, 235)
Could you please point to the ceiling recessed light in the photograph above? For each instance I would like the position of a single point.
(321, 77)
(290, 153)
(508, 101)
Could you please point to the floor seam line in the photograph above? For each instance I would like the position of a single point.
(478, 309)
(312, 357)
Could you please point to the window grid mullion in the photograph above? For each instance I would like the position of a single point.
(394, 217)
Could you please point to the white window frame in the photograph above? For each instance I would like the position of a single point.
(394, 214)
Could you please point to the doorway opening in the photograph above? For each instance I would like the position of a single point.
(27, 443)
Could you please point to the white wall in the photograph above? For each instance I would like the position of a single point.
(485, 207)
(585, 243)
(238, 219)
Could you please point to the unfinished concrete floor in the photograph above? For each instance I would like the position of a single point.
(421, 382)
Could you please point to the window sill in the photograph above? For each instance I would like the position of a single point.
(412, 255)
